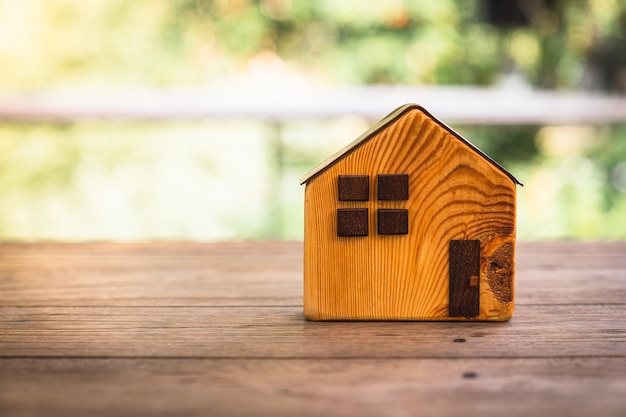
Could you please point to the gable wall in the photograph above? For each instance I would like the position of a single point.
(453, 194)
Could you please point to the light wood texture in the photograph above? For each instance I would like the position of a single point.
(196, 330)
(268, 274)
(310, 387)
(455, 193)
(281, 332)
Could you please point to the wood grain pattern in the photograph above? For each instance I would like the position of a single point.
(282, 332)
(454, 194)
(200, 387)
(268, 274)
(170, 329)
(464, 284)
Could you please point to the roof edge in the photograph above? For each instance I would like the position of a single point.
(381, 125)
(352, 145)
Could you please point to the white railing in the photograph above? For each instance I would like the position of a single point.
(455, 105)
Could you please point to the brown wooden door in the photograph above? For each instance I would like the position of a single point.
(464, 263)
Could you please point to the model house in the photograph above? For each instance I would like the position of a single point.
(409, 222)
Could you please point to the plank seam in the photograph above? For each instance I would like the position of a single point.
(305, 358)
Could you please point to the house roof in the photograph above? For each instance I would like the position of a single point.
(388, 120)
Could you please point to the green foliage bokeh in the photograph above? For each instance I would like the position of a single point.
(575, 176)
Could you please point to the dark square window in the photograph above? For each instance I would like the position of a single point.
(393, 222)
(393, 187)
(352, 222)
(354, 187)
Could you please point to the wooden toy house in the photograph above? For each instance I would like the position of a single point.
(409, 222)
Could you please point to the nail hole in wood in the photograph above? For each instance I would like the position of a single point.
(470, 375)
(459, 340)
(473, 281)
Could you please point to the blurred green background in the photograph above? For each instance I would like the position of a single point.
(215, 179)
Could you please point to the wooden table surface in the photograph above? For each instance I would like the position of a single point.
(186, 329)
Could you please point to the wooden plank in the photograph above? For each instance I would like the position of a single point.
(190, 274)
(121, 254)
(282, 332)
(571, 287)
(154, 274)
(549, 256)
(190, 329)
(569, 255)
(439, 387)
(464, 260)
